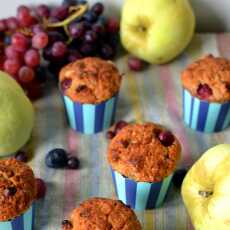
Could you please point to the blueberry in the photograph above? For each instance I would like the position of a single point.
(21, 156)
(90, 17)
(178, 177)
(73, 163)
(56, 158)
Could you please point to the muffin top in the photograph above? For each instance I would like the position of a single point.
(102, 214)
(144, 152)
(208, 79)
(90, 80)
(17, 188)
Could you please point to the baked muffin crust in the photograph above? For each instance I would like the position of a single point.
(17, 188)
(137, 153)
(90, 80)
(102, 214)
(210, 71)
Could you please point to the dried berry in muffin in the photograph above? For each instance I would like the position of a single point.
(144, 152)
(17, 188)
(90, 80)
(103, 214)
(208, 79)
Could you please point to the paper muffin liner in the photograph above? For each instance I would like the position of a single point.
(23, 222)
(140, 195)
(205, 116)
(90, 118)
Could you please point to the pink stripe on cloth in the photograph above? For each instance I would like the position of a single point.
(173, 109)
(223, 44)
(72, 177)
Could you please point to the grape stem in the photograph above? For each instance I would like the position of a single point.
(76, 11)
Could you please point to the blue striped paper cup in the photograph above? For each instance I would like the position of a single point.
(205, 116)
(23, 222)
(140, 195)
(90, 118)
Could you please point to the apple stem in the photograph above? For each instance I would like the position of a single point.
(205, 193)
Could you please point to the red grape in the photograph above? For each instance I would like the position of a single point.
(12, 23)
(40, 40)
(113, 25)
(59, 49)
(43, 11)
(90, 36)
(12, 66)
(24, 16)
(97, 8)
(32, 58)
(11, 53)
(77, 30)
(37, 28)
(74, 55)
(3, 25)
(20, 42)
(26, 74)
(135, 64)
(60, 12)
(107, 51)
(22, 9)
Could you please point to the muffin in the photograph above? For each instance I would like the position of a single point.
(143, 158)
(17, 193)
(206, 94)
(102, 214)
(90, 89)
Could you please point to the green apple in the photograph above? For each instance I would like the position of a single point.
(16, 116)
(156, 30)
(206, 190)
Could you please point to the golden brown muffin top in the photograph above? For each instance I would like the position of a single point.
(102, 214)
(208, 79)
(144, 152)
(17, 188)
(90, 80)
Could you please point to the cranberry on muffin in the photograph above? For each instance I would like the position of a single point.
(102, 214)
(17, 188)
(208, 79)
(90, 80)
(144, 152)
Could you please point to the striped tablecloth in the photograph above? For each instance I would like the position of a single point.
(152, 95)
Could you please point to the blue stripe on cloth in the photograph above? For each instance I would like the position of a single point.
(89, 118)
(69, 107)
(142, 195)
(195, 113)
(78, 111)
(28, 219)
(114, 109)
(187, 99)
(108, 115)
(191, 111)
(227, 120)
(222, 116)
(130, 189)
(212, 117)
(153, 195)
(99, 117)
(18, 223)
(5, 225)
(202, 116)
(120, 182)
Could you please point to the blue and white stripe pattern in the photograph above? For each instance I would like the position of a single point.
(90, 118)
(205, 116)
(140, 195)
(23, 222)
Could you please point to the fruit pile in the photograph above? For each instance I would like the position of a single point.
(58, 35)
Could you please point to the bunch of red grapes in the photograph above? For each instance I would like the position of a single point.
(29, 40)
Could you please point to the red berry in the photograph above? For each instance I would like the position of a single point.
(20, 42)
(40, 40)
(59, 49)
(32, 58)
(12, 66)
(43, 11)
(11, 53)
(73, 163)
(204, 91)
(41, 188)
(110, 135)
(113, 25)
(135, 64)
(12, 23)
(166, 138)
(120, 125)
(3, 25)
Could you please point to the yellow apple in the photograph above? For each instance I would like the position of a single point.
(156, 30)
(206, 190)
